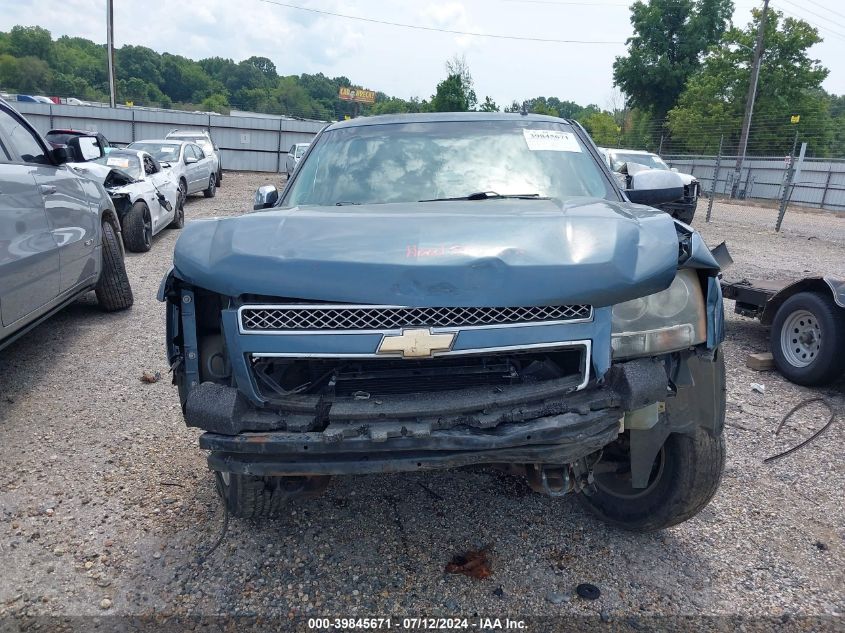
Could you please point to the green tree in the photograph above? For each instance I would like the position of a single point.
(450, 96)
(215, 103)
(790, 84)
(670, 38)
(31, 41)
(602, 127)
(24, 74)
(264, 65)
(489, 105)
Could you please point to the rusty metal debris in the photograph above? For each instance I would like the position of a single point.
(474, 564)
(150, 377)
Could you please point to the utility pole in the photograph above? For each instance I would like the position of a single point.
(110, 48)
(749, 100)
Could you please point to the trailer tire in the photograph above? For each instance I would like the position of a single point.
(807, 339)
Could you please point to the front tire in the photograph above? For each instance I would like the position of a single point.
(211, 191)
(179, 218)
(113, 290)
(138, 228)
(807, 339)
(685, 476)
(250, 497)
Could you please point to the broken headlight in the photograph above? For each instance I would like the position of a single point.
(668, 321)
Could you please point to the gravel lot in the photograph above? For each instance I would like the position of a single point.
(106, 501)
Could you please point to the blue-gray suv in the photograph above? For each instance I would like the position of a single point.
(446, 290)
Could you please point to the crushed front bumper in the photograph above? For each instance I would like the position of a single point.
(558, 431)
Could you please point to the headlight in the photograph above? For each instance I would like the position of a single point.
(668, 321)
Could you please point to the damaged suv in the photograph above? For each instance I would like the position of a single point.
(446, 290)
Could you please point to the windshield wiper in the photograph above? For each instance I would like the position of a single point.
(490, 195)
(343, 203)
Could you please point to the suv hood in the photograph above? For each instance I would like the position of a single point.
(498, 252)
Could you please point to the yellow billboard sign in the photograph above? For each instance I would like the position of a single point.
(357, 94)
(795, 118)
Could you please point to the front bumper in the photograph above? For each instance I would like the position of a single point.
(557, 430)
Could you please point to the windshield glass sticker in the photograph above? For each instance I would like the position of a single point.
(122, 163)
(550, 141)
(168, 149)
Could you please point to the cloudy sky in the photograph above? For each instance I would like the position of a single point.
(402, 61)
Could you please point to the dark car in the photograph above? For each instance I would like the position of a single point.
(59, 233)
(59, 138)
(446, 290)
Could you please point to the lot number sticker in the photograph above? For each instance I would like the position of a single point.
(550, 141)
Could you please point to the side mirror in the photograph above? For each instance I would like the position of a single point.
(190, 160)
(60, 155)
(654, 186)
(265, 197)
(84, 148)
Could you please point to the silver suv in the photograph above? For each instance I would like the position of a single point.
(59, 233)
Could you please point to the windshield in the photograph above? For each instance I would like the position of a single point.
(652, 161)
(300, 150)
(202, 141)
(127, 163)
(410, 162)
(162, 152)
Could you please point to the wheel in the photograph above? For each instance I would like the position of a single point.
(250, 497)
(183, 191)
(113, 290)
(685, 476)
(807, 339)
(219, 179)
(138, 228)
(178, 219)
(212, 187)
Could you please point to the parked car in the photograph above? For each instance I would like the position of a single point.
(296, 152)
(684, 207)
(145, 196)
(59, 232)
(442, 290)
(193, 171)
(60, 137)
(204, 140)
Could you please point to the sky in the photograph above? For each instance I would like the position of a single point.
(401, 61)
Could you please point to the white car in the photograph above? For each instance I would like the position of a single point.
(204, 140)
(683, 209)
(144, 195)
(193, 171)
(296, 152)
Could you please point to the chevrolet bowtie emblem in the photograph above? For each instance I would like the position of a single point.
(416, 343)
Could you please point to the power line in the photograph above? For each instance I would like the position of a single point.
(818, 15)
(818, 26)
(431, 28)
(818, 4)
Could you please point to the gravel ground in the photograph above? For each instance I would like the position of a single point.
(106, 501)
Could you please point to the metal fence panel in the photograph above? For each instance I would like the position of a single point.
(246, 143)
(820, 184)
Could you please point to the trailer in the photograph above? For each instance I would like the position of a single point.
(807, 319)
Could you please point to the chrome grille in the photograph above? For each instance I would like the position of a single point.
(287, 318)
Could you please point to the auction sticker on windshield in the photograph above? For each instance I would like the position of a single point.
(122, 163)
(550, 141)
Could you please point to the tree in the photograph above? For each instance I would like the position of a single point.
(790, 83)
(264, 65)
(489, 105)
(602, 127)
(24, 74)
(451, 96)
(31, 41)
(670, 38)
